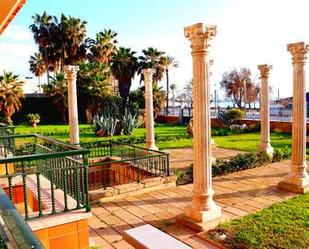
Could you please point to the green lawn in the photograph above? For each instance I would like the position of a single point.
(167, 137)
(283, 225)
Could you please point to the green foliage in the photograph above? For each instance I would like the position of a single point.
(130, 121)
(282, 154)
(283, 225)
(230, 116)
(33, 118)
(11, 93)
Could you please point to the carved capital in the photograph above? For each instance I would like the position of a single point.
(70, 72)
(200, 36)
(148, 73)
(299, 52)
(265, 69)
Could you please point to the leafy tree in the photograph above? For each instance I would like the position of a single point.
(189, 92)
(167, 62)
(93, 85)
(72, 40)
(11, 93)
(124, 66)
(103, 47)
(173, 88)
(152, 58)
(58, 91)
(239, 86)
(59, 43)
(37, 66)
(138, 96)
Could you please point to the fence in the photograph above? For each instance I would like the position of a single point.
(43, 176)
(6, 129)
(112, 163)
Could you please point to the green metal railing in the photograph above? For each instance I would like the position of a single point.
(6, 129)
(34, 160)
(14, 231)
(113, 163)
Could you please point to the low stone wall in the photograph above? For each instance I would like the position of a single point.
(279, 126)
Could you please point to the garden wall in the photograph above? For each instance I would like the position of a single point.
(169, 119)
(279, 126)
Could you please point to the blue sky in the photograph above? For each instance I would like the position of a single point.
(249, 32)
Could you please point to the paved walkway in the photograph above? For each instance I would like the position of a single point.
(182, 158)
(238, 194)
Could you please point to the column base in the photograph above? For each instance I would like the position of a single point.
(212, 143)
(203, 216)
(298, 189)
(151, 146)
(267, 149)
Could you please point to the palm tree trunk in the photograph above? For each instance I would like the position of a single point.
(167, 91)
(39, 79)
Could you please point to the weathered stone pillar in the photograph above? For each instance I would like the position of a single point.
(298, 180)
(150, 137)
(203, 207)
(265, 125)
(70, 75)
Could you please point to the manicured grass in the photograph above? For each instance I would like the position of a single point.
(250, 141)
(167, 137)
(283, 225)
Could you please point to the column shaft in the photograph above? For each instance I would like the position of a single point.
(298, 179)
(150, 136)
(203, 207)
(70, 73)
(264, 111)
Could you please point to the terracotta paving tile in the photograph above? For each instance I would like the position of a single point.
(109, 234)
(110, 218)
(122, 245)
(196, 242)
(238, 194)
(96, 239)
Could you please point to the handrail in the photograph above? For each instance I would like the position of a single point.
(19, 234)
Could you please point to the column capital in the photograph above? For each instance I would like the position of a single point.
(199, 36)
(299, 52)
(148, 73)
(264, 70)
(70, 71)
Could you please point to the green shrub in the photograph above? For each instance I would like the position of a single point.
(33, 119)
(230, 116)
(282, 154)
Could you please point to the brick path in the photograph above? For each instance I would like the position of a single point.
(238, 194)
(182, 158)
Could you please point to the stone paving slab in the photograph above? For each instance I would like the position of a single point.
(183, 157)
(238, 194)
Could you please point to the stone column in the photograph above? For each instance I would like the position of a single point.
(298, 180)
(70, 75)
(203, 208)
(265, 125)
(148, 79)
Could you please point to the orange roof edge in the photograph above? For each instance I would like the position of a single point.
(8, 12)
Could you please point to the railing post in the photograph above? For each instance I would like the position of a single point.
(86, 165)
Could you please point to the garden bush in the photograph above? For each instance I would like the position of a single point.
(241, 162)
(230, 116)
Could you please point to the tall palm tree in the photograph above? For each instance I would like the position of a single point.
(103, 47)
(58, 91)
(173, 88)
(41, 29)
(73, 32)
(167, 62)
(152, 58)
(37, 66)
(124, 66)
(11, 93)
